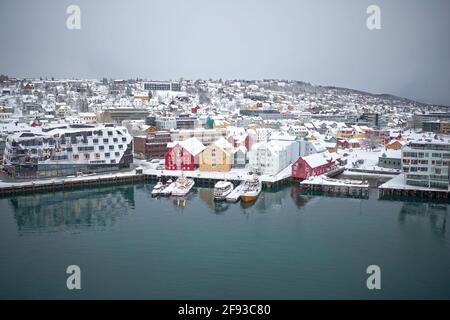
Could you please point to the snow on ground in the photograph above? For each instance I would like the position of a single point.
(60, 180)
(370, 160)
(348, 173)
(324, 180)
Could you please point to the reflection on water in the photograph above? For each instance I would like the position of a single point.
(419, 211)
(207, 196)
(294, 246)
(300, 200)
(59, 210)
(102, 206)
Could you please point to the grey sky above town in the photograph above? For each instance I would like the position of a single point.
(317, 41)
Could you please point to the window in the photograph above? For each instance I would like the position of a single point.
(110, 133)
(120, 146)
(86, 156)
(436, 155)
(117, 154)
(115, 140)
(124, 139)
(101, 148)
(111, 147)
(107, 155)
(95, 140)
(105, 140)
(76, 157)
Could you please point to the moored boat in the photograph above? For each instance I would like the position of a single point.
(222, 189)
(251, 190)
(167, 190)
(159, 186)
(182, 186)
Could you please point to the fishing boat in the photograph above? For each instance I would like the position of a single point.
(168, 188)
(222, 189)
(251, 190)
(182, 186)
(158, 188)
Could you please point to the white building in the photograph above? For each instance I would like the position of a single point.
(166, 123)
(308, 147)
(426, 162)
(63, 150)
(262, 134)
(273, 156)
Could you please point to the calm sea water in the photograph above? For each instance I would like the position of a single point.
(285, 246)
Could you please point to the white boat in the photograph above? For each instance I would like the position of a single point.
(182, 186)
(158, 188)
(168, 188)
(251, 190)
(222, 189)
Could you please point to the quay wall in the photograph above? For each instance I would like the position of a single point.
(8, 189)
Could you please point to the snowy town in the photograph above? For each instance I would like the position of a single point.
(242, 136)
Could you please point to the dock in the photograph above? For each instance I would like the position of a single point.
(61, 183)
(397, 187)
(235, 175)
(342, 187)
(235, 195)
(210, 178)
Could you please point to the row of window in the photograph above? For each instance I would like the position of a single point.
(426, 162)
(407, 154)
(87, 156)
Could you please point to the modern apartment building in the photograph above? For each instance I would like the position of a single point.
(420, 118)
(436, 126)
(426, 162)
(68, 150)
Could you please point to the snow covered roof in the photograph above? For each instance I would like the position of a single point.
(282, 136)
(319, 159)
(192, 145)
(390, 153)
(395, 141)
(223, 143)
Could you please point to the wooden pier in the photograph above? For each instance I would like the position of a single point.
(397, 188)
(348, 188)
(68, 183)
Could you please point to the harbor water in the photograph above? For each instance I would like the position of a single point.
(286, 245)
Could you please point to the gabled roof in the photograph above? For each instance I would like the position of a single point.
(191, 145)
(319, 159)
(242, 149)
(223, 144)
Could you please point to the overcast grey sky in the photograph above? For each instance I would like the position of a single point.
(318, 41)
